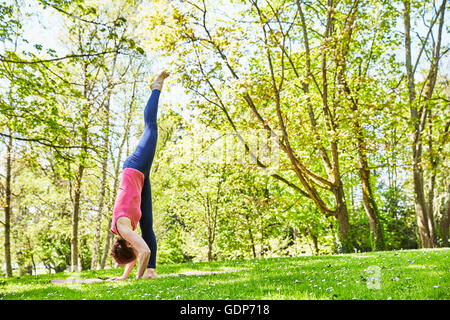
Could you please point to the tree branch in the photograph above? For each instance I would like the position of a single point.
(70, 56)
(71, 14)
(43, 141)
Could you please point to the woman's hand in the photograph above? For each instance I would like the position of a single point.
(117, 278)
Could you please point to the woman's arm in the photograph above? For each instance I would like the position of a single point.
(125, 230)
(143, 262)
(128, 268)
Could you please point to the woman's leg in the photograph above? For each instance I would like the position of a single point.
(142, 157)
(146, 222)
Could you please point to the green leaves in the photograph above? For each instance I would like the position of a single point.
(10, 25)
(245, 67)
(120, 22)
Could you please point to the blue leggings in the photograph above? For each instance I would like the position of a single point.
(141, 159)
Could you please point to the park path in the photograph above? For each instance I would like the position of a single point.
(185, 273)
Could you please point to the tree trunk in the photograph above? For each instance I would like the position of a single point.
(315, 243)
(315, 240)
(343, 222)
(364, 171)
(75, 265)
(125, 137)
(432, 183)
(371, 210)
(369, 203)
(330, 125)
(431, 82)
(109, 235)
(445, 220)
(331, 167)
(420, 204)
(101, 198)
(8, 207)
(419, 196)
(250, 233)
(209, 227)
(210, 257)
(108, 241)
(370, 206)
(261, 241)
(419, 118)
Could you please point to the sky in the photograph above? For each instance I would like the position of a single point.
(44, 27)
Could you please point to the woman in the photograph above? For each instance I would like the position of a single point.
(134, 200)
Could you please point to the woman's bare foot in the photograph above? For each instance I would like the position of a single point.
(151, 273)
(158, 82)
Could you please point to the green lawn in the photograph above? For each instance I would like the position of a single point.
(412, 274)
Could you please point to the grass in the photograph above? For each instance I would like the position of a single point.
(403, 275)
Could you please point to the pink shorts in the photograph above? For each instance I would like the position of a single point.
(128, 201)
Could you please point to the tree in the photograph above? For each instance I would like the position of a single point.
(420, 108)
(130, 106)
(63, 111)
(270, 84)
(7, 207)
(92, 34)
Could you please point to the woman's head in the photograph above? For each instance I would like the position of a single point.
(122, 251)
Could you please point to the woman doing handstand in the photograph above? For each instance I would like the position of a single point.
(134, 200)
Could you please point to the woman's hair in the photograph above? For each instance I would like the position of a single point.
(122, 252)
